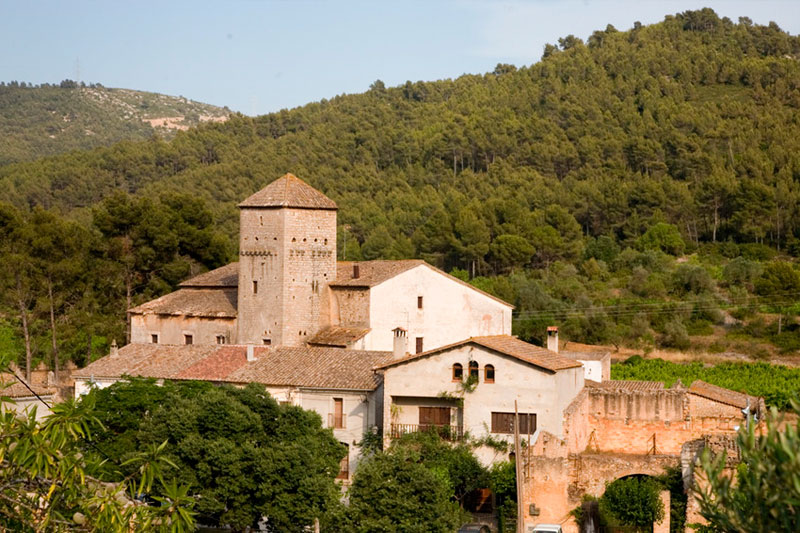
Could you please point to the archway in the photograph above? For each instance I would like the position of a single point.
(633, 503)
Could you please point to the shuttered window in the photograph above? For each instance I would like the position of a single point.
(504, 423)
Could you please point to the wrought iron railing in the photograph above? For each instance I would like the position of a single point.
(449, 432)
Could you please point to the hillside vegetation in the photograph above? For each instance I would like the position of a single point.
(41, 120)
(639, 188)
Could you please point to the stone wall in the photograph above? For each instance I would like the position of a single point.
(350, 307)
(172, 329)
(290, 254)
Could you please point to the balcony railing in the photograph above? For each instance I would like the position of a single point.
(336, 421)
(452, 432)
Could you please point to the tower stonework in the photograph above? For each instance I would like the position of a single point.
(287, 258)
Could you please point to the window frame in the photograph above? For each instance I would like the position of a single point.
(419, 345)
(474, 370)
(419, 302)
(486, 370)
(503, 423)
(458, 368)
(188, 339)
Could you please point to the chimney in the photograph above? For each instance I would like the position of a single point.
(356, 272)
(251, 353)
(552, 338)
(400, 343)
(114, 349)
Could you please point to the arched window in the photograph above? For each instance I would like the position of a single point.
(488, 374)
(473, 370)
(458, 372)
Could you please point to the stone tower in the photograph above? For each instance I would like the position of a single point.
(287, 257)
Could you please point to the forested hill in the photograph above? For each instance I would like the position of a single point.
(41, 120)
(634, 188)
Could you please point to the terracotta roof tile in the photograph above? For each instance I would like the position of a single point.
(225, 276)
(325, 368)
(507, 345)
(12, 388)
(289, 191)
(722, 395)
(371, 273)
(218, 303)
(328, 368)
(162, 361)
(627, 385)
(338, 336)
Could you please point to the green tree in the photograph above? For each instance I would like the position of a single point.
(394, 493)
(245, 455)
(780, 283)
(633, 501)
(49, 478)
(764, 492)
(663, 237)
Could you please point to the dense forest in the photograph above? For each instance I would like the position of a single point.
(49, 119)
(638, 188)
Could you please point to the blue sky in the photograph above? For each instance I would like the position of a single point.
(262, 56)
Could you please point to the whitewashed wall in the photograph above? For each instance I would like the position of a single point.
(451, 311)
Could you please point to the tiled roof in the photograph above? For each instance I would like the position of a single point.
(12, 388)
(226, 276)
(328, 368)
(218, 303)
(289, 191)
(371, 273)
(325, 368)
(627, 385)
(722, 395)
(584, 352)
(338, 336)
(507, 345)
(162, 361)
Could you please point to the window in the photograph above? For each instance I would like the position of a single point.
(336, 419)
(188, 339)
(344, 464)
(266, 342)
(458, 372)
(473, 370)
(419, 344)
(154, 338)
(255, 287)
(220, 339)
(488, 374)
(504, 423)
(419, 302)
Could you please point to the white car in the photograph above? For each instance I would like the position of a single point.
(546, 528)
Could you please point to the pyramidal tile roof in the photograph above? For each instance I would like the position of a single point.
(289, 191)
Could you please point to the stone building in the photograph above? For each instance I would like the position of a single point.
(400, 346)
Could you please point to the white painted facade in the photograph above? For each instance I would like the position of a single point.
(451, 311)
(593, 370)
(539, 391)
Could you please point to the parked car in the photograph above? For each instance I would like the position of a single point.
(474, 528)
(546, 528)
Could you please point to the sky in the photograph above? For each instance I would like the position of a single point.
(258, 57)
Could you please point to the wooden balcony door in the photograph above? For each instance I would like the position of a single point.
(434, 416)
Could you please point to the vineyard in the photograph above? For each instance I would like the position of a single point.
(776, 383)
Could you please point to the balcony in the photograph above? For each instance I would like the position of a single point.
(451, 432)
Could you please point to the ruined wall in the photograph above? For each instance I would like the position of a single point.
(171, 329)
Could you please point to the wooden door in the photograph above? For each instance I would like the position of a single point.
(434, 416)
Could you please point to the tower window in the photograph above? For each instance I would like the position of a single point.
(154, 338)
(458, 372)
(220, 339)
(188, 339)
(488, 374)
(255, 287)
(266, 342)
(419, 344)
(419, 302)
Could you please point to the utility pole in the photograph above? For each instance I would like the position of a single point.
(518, 467)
